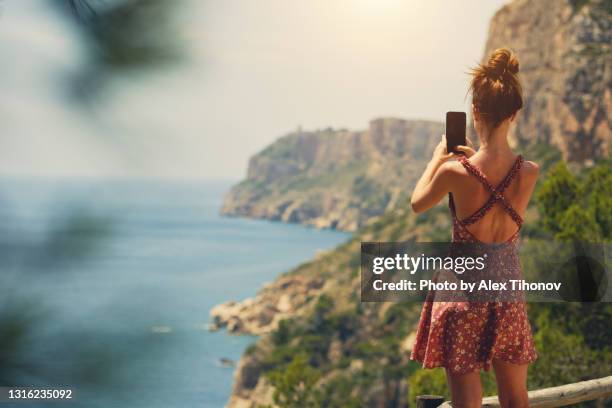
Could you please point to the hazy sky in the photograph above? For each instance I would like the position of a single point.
(257, 70)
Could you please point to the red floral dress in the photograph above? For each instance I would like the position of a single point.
(467, 336)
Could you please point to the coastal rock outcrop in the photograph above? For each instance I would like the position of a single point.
(276, 301)
(250, 389)
(335, 178)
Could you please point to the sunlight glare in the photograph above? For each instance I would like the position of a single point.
(377, 7)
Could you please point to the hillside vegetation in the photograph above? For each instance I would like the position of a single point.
(336, 351)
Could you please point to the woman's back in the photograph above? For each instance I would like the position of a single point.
(488, 218)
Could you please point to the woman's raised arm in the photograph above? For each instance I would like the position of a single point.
(434, 184)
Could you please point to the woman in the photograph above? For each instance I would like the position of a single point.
(488, 194)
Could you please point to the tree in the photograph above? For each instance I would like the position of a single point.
(557, 194)
(576, 208)
(598, 187)
(294, 385)
(564, 357)
(578, 224)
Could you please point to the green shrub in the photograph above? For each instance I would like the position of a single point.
(427, 382)
(576, 208)
(564, 357)
(339, 392)
(282, 334)
(558, 192)
(294, 384)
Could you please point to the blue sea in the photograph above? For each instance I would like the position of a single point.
(106, 287)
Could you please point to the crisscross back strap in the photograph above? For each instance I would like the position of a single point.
(496, 192)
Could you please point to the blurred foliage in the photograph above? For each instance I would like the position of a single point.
(17, 322)
(122, 36)
(75, 236)
(428, 382)
(547, 156)
(37, 346)
(573, 343)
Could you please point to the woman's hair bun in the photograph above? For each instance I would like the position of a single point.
(501, 62)
(496, 90)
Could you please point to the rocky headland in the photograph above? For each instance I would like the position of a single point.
(331, 178)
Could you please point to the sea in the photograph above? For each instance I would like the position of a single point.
(107, 285)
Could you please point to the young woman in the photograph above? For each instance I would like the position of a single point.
(488, 191)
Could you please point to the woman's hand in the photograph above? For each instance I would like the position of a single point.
(467, 150)
(440, 155)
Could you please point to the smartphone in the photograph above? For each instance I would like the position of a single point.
(455, 130)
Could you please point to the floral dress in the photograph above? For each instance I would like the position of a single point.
(467, 336)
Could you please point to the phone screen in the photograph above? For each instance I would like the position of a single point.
(455, 130)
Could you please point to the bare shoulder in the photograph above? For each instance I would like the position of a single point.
(450, 174)
(451, 169)
(531, 170)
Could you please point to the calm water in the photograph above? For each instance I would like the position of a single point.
(111, 284)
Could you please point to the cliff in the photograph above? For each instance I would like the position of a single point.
(335, 178)
(565, 53)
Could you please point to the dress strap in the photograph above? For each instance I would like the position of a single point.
(496, 192)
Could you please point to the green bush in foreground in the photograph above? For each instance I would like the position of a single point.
(428, 382)
(576, 207)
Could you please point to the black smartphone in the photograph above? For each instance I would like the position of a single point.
(455, 130)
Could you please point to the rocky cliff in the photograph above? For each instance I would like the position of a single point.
(335, 178)
(565, 53)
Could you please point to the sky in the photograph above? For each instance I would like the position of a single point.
(255, 70)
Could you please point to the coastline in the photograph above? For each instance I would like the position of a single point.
(286, 294)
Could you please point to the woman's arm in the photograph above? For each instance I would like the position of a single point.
(434, 183)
